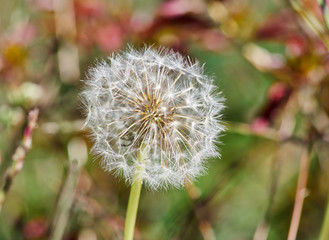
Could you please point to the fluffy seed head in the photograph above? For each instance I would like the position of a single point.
(157, 99)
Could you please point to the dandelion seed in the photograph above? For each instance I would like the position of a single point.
(157, 99)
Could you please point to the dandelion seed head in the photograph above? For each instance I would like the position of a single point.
(158, 99)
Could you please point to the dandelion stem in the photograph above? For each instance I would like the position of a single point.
(132, 209)
(134, 196)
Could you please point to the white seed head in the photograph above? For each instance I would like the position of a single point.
(157, 99)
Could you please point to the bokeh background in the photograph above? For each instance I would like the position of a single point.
(269, 58)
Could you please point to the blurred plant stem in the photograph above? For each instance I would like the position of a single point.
(134, 196)
(311, 21)
(263, 227)
(64, 203)
(77, 156)
(322, 34)
(268, 133)
(204, 225)
(325, 12)
(300, 193)
(282, 135)
(19, 155)
(245, 129)
(324, 233)
(66, 31)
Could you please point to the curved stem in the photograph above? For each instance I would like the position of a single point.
(134, 197)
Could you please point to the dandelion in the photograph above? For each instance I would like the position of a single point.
(154, 117)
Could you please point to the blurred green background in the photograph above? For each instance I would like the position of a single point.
(270, 60)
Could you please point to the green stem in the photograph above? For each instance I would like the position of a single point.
(134, 197)
(324, 235)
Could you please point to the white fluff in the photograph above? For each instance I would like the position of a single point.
(157, 99)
